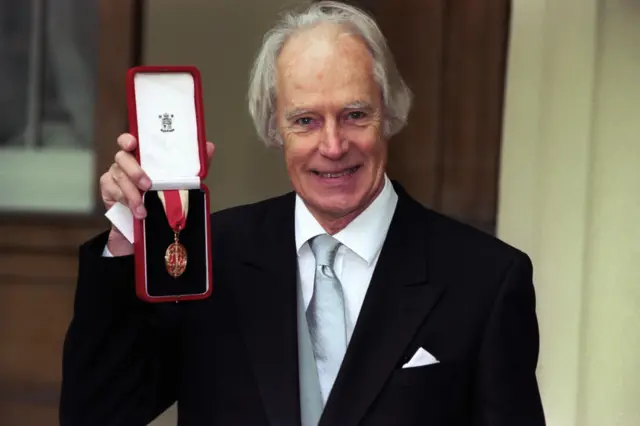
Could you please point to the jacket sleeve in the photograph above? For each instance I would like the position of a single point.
(120, 355)
(507, 391)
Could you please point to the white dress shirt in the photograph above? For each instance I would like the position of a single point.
(356, 259)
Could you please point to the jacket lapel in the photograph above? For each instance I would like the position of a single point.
(267, 294)
(397, 302)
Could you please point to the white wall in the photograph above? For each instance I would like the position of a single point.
(569, 196)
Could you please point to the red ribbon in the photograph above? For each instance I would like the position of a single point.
(175, 211)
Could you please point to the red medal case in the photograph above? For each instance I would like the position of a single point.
(165, 108)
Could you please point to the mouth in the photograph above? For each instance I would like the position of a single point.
(336, 174)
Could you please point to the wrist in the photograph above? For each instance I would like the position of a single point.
(118, 245)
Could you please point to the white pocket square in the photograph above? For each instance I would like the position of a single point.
(420, 359)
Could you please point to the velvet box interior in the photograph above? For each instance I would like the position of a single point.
(165, 115)
(158, 235)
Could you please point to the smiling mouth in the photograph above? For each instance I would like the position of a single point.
(339, 174)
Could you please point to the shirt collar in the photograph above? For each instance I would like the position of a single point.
(364, 235)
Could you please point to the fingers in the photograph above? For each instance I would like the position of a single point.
(109, 190)
(128, 164)
(115, 187)
(127, 142)
(125, 178)
(127, 192)
(210, 151)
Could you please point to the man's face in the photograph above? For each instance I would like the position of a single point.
(329, 114)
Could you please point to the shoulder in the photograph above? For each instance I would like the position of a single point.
(468, 240)
(453, 244)
(474, 264)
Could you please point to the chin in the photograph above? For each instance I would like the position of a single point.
(337, 205)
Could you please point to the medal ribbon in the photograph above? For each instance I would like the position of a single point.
(175, 210)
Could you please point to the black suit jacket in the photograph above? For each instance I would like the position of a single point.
(231, 360)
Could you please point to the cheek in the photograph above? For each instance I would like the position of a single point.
(372, 147)
(296, 155)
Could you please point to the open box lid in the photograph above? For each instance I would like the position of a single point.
(166, 117)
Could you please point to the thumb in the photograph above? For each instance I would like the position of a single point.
(210, 150)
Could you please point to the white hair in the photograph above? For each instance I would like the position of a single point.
(396, 95)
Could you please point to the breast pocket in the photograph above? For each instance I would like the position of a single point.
(416, 395)
(426, 376)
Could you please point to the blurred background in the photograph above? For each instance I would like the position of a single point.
(526, 125)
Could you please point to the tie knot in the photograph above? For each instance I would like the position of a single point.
(324, 249)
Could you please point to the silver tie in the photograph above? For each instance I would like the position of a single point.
(326, 314)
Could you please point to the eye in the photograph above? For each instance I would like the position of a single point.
(356, 115)
(304, 121)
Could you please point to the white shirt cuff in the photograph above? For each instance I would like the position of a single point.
(106, 252)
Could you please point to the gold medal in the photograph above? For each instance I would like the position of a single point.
(175, 258)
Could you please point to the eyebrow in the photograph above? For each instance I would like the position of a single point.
(350, 106)
(358, 105)
(296, 112)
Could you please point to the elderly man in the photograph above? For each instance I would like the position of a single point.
(342, 303)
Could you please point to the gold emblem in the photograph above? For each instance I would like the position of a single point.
(175, 258)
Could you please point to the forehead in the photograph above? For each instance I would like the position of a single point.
(325, 63)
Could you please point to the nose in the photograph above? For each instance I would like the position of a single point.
(332, 145)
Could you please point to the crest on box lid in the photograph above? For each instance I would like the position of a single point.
(166, 120)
